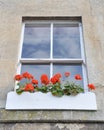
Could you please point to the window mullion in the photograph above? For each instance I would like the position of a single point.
(51, 70)
(51, 42)
(51, 50)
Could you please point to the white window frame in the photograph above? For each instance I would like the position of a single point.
(55, 60)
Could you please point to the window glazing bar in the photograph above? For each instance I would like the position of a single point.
(25, 60)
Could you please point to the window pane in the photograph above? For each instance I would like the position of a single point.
(66, 41)
(36, 70)
(36, 42)
(72, 68)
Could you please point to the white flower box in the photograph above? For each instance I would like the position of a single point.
(41, 101)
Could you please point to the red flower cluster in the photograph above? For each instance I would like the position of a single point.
(31, 84)
(44, 79)
(27, 75)
(67, 74)
(18, 77)
(78, 77)
(56, 78)
(34, 81)
(91, 86)
(29, 87)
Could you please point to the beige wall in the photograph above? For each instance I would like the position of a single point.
(92, 12)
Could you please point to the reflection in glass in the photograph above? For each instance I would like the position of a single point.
(72, 68)
(36, 42)
(36, 70)
(66, 41)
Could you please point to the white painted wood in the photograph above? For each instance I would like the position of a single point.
(55, 60)
(38, 100)
(51, 50)
(84, 71)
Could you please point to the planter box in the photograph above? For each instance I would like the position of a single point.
(38, 101)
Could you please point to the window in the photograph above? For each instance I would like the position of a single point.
(53, 46)
(50, 47)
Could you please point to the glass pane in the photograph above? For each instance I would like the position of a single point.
(36, 42)
(36, 70)
(74, 69)
(66, 41)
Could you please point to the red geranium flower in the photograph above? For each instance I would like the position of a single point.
(78, 77)
(56, 78)
(29, 87)
(44, 79)
(67, 74)
(18, 77)
(34, 81)
(58, 75)
(91, 86)
(27, 75)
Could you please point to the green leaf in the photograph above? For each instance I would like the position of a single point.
(44, 89)
(19, 91)
(57, 92)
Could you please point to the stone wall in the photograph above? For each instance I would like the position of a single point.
(52, 126)
(11, 13)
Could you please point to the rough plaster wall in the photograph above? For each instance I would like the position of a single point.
(50, 126)
(92, 12)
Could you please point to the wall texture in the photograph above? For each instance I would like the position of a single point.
(51, 126)
(11, 13)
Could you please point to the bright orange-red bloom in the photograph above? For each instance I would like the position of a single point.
(56, 78)
(58, 75)
(34, 81)
(18, 77)
(44, 79)
(91, 86)
(27, 75)
(78, 77)
(67, 74)
(29, 87)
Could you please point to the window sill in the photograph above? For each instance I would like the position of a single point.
(38, 101)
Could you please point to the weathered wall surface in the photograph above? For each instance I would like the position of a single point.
(11, 13)
(51, 126)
